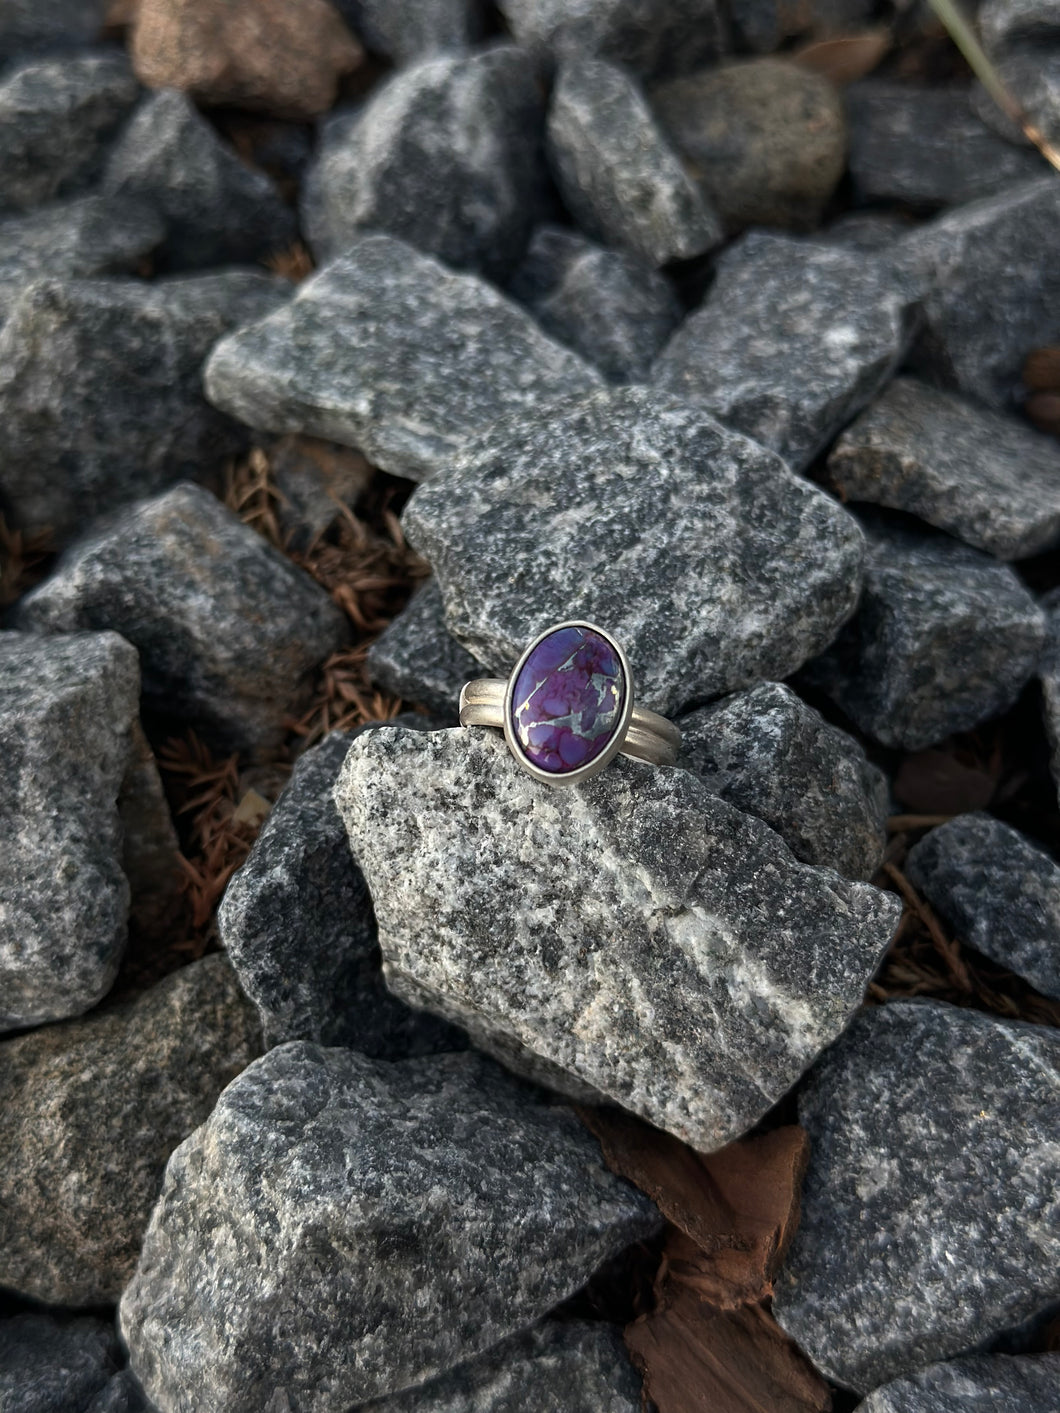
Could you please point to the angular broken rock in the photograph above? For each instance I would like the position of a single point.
(937, 1127)
(266, 55)
(446, 155)
(608, 306)
(674, 36)
(56, 116)
(92, 1110)
(80, 433)
(791, 341)
(67, 712)
(924, 147)
(769, 754)
(985, 1383)
(988, 479)
(617, 173)
(388, 351)
(86, 235)
(629, 508)
(228, 629)
(991, 284)
(342, 1228)
(631, 939)
(53, 1366)
(944, 638)
(574, 1367)
(765, 137)
(1049, 676)
(407, 30)
(216, 208)
(27, 26)
(997, 890)
(419, 660)
(297, 923)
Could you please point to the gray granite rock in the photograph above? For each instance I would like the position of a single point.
(50, 1365)
(991, 282)
(341, 1228)
(663, 37)
(216, 208)
(387, 350)
(988, 479)
(617, 172)
(629, 508)
(990, 1383)
(765, 25)
(765, 137)
(608, 306)
(67, 713)
(407, 30)
(769, 754)
(945, 638)
(56, 116)
(926, 147)
(555, 1368)
(228, 629)
(1005, 22)
(997, 890)
(100, 390)
(792, 340)
(297, 924)
(870, 231)
(419, 660)
(82, 236)
(92, 1110)
(121, 1395)
(633, 938)
(28, 26)
(1049, 676)
(446, 155)
(1032, 70)
(930, 1213)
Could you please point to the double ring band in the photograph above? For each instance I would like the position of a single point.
(567, 709)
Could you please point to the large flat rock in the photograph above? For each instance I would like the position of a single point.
(632, 938)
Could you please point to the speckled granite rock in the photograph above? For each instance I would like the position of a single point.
(80, 434)
(926, 148)
(618, 175)
(944, 638)
(792, 339)
(263, 55)
(992, 285)
(555, 1368)
(702, 597)
(766, 139)
(990, 480)
(56, 116)
(769, 754)
(669, 36)
(997, 890)
(1049, 676)
(49, 1365)
(216, 208)
(387, 350)
(938, 1128)
(871, 231)
(93, 1108)
(1023, 39)
(608, 306)
(446, 155)
(227, 628)
(632, 938)
(297, 924)
(85, 235)
(371, 1289)
(30, 25)
(419, 660)
(407, 30)
(67, 712)
(990, 1383)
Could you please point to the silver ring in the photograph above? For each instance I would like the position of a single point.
(567, 708)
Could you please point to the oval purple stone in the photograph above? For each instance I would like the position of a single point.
(568, 698)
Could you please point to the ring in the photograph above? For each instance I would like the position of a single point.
(567, 709)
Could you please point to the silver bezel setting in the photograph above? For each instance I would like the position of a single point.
(604, 759)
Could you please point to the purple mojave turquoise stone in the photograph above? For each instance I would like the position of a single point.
(568, 699)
